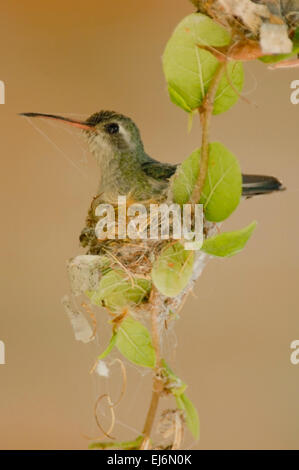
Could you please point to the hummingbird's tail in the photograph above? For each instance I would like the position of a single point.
(253, 185)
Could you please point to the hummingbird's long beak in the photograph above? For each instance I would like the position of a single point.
(80, 124)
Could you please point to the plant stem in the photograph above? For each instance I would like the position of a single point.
(157, 384)
(206, 111)
(151, 414)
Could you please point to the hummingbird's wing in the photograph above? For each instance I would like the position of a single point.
(157, 170)
(252, 185)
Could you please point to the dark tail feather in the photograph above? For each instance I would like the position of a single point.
(253, 185)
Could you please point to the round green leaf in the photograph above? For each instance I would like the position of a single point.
(185, 178)
(189, 67)
(228, 243)
(223, 186)
(226, 95)
(173, 269)
(117, 291)
(134, 342)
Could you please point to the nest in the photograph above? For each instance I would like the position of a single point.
(259, 27)
(135, 259)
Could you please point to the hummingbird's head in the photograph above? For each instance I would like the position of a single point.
(110, 131)
(107, 132)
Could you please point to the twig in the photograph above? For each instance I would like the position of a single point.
(205, 112)
(124, 385)
(157, 384)
(106, 433)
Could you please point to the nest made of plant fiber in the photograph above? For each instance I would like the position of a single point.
(250, 21)
(135, 258)
(235, 12)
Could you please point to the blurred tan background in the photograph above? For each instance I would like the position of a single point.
(75, 58)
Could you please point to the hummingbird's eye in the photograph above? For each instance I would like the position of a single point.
(112, 128)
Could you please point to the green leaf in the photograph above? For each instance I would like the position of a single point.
(124, 445)
(189, 67)
(109, 347)
(134, 342)
(223, 186)
(226, 95)
(173, 269)
(228, 243)
(191, 415)
(185, 178)
(270, 59)
(173, 382)
(117, 290)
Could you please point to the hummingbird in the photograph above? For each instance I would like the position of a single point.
(126, 169)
